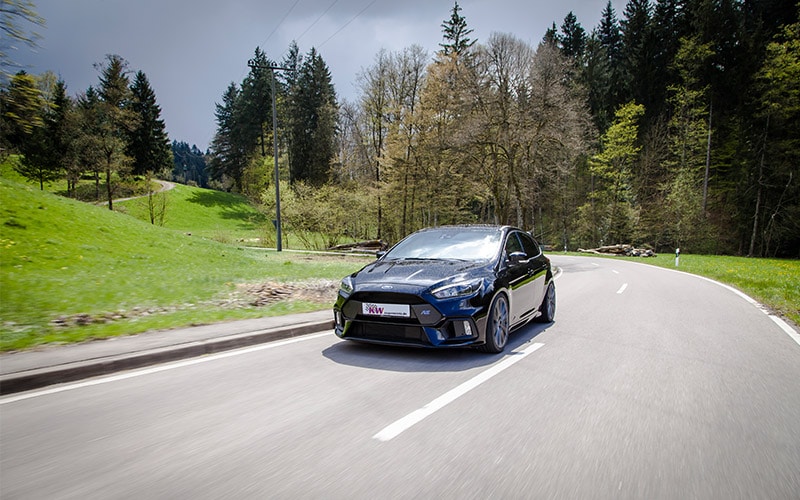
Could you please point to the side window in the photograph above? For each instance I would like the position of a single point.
(529, 245)
(513, 244)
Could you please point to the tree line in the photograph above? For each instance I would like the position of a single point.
(109, 132)
(306, 100)
(674, 125)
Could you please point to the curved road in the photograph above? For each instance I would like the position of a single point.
(650, 384)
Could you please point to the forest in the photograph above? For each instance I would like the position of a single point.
(673, 124)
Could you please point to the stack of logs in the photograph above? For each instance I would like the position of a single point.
(370, 246)
(626, 250)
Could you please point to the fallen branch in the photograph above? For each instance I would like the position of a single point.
(626, 250)
(361, 246)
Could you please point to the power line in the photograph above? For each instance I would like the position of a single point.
(348, 22)
(281, 22)
(317, 19)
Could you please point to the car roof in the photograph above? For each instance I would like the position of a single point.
(468, 226)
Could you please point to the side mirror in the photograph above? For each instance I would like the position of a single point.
(379, 254)
(517, 257)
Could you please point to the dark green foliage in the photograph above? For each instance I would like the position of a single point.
(228, 155)
(244, 125)
(108, 131)
(573, 38)
(189, 164)
(639, 47)
(255, 105)
(608, 85)
(312, 122)
(456, 33)
(24, 127)
(113, 121)
(148, 144)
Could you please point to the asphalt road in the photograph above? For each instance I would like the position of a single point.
(650, 384)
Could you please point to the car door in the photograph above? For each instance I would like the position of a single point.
(537, 269)
(519, 277)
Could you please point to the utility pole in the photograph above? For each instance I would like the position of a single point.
(253, 64)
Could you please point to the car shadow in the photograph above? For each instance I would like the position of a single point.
(413, 359)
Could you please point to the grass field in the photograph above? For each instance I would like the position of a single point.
(71, 271)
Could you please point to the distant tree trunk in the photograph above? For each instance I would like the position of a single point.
(109, 191)
(758, 195)
(708, 161)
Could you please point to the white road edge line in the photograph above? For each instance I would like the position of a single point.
(775, 319)
(158, 368)
(622, 288)
(398, 427)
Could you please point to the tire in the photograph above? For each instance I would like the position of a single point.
(497, 325)
(548, 307)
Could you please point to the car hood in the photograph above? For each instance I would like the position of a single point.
(418, 273)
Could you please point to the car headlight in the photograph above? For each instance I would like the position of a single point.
(346, 286)
(462, 289)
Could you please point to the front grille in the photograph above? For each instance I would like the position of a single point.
(388, 333)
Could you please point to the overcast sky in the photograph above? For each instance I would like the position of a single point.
(191, 50)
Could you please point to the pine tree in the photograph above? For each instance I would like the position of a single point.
(573, 38)
(228, 157)
(88, 139)
(597, 75)
(551, 36)
(22, 104)
(114, 121)
(49, 150)
(637, 56)
(31, 121)
(148, 144)
(254, 112)
(456, 34)
(313, 122)
(60, 124)
(189, 164)
(610, 39)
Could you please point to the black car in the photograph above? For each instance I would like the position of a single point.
(449, 286)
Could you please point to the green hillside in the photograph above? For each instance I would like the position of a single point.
(71, 270)
(204, 212)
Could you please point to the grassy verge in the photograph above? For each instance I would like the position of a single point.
(71, 271)
(774, 283)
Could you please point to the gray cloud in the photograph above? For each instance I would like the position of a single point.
(191, 50)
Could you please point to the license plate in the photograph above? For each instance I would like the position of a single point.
(386, 310)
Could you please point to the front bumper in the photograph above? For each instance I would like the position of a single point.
(427, 325)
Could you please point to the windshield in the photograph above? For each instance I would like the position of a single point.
(449, 244)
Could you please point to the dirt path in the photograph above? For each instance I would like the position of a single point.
(165, 186)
